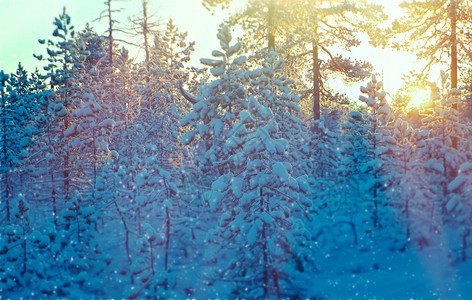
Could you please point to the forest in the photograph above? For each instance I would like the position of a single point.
(249, 176)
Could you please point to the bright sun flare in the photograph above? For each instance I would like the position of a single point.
(418, 96)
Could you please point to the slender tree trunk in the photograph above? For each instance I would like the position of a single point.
(407, 200)
(110, 33)
(166, 257)
(316, 83)
(264, 252)
(5, 152)
(25, 257)
(152, 268)
(54, 204)
(125, 225)
(145, 33)
(376, 204)
(53, 192)
(146, 44)
(275, 276)
(271, 37)
(66, 126)
(78, 223)
(454, 58)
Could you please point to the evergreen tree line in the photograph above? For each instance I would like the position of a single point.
(154, 180)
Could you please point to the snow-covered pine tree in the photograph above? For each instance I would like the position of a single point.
(79, 260)
(151, 280)
(24, 106)
(460, 209)
(322, 166)
(25, 255)
(350, 209)
(161, 103)
(404, 179)
(262, 243)
(21, 104)
(295, 30)
(89, 135)
(218, 106)
(6, 189)
(439, 158)
(65, 62)
(379, 121)
(94, 46)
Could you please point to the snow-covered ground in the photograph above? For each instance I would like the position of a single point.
(383, 274)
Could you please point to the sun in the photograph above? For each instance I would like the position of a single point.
(418, 96)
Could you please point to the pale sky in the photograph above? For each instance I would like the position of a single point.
(23, 22)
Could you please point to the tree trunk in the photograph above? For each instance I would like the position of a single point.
(166, 258)
(316, 83)
(145, 34)
(3, 79)
(271, 37)
(125, 225)
(110, 33)
(264, 252)
(152, 268)
(454, 58)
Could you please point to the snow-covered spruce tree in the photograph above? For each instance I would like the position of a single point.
(60, 160)
(14, 120)
(79, 259)
(146, 142)
(362, 207)
(440, 160)
(442, 124)
(262, 246)
(89, 134)
(156, 203)
(6, 189)
(64, 65)
(25, 256)
(336, 177)
(324, 151)
(94, 46)
(404, 181)
(460, 207)
(21, 104)
(110, 191)
(350, 206)
(274, 87)
(378, 120)
(218, 106)
(162, 106)
(152, 282)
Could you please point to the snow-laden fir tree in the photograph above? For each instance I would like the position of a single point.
(219, 104)
(262, 245)
(404, 179)
(89, 135)
(378, 120)
(64, 63)
(6, 189)
(351, 207)
(26, 256)
(440, 161)
(22, 102)
(150, 279)
(79, 259)
(460, 209)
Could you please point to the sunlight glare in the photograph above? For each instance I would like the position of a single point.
(418, 96)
